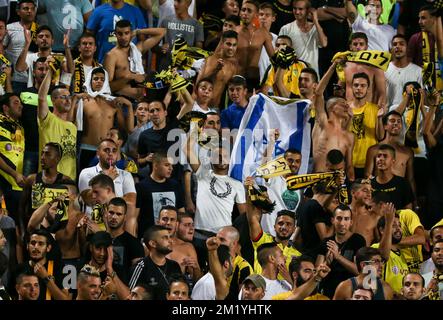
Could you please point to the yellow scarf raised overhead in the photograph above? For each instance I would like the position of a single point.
(375, 58)
(412, 123)
(431, 67)
(304, 180)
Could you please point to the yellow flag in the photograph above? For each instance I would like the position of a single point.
(303, 180)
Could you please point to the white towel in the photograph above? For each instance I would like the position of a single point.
(106, 89)
(135, 60)
(105, 92)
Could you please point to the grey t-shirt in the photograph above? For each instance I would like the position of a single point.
(190, 29)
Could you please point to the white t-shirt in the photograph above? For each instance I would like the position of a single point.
(284, 200)
(31, 58)
(204, 289)
(396, 78)
(264, 61)
(196, 107)
(305, 44)
(379, 35)
(123, 183)
(216, 196)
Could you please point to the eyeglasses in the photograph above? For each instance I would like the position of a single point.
(66, 97)
(88, 269)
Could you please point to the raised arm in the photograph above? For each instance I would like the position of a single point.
(189, 149)
(380, 88)
(188, 103)
(323, 39)
(429, 136)
(253, 214)
(43, 108)
(351, 11)
(156, 34)
(279, 86)
(386, 238)
(21, 64)
(68, 54)
(216, 269)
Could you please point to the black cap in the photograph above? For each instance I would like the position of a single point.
(101, 239)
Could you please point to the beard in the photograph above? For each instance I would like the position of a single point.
(396, 240)
(163, 250)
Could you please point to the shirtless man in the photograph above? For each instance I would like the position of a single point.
(185, 227)
(404, 156)
(117, 60)
(250, 43)
(182, 252)
(377, 91)
(330, 132)
(364, 218)
(98, 113)
(221, 66)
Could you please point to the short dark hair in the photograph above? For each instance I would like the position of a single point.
(123, 24)
(39, 60)
(399, 35)
(388, 147)
(233, 19)
(209, 80)
(283, 36)
(44, 233)
(430, 8)
(103, 181)
(342, 207)
(159, 156)
(254, 3)
(380, 197)
(382, 222)
(286, 213)
(361, 75)
(105, 140)
(168, 207)
(365, 254)
(5, 100)
(335, 156)
(42, 28)
(267, 5)
(229, 34)
(292, 150)
(86, 34)
(312, 72)
(98, 70)
(264, 251)
(295, 264)
(121, 133)
(57, 88)
(358, 35)
(358, 183)
(361, 287)
(57, 147)
(158, 101)
(386, 116)
(416, 274)
(150, 233)
(119, 202)
(182, 215)
(237, 80)
(21, 275)
(177, 277)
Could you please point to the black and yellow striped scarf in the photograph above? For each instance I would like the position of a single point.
(79, 74)
(431, 68)
(4, 63)
(411, 117)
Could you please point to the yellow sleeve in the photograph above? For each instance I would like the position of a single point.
(270, 79)
(411, 220)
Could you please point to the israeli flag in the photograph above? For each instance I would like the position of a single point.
(262, 116)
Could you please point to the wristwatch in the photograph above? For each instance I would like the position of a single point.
(48, 278)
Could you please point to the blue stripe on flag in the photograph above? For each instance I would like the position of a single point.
(296, 139)
(244, 144)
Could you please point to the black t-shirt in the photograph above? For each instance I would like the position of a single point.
(284, 16)
(151, 196)
(339, 273)
(56, 272)
(126, 248)
(146, 271)
(435, 182)
(308, 215)
(398, 189)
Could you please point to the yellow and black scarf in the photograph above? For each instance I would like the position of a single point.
(4, 63)
(411, 117)
(431, 66)
(79, 74)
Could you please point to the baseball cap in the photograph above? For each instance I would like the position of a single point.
(257, 280)
(101, 239)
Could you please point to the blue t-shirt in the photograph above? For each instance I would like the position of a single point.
(64, 15)
(102, 23)
(231, 117)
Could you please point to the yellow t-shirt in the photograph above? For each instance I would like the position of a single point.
(394, 269)
(363, 128)
(290, 77)
(54, 129)
(12, 148)
(240, 263)
(409, 222)
(288, 252)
